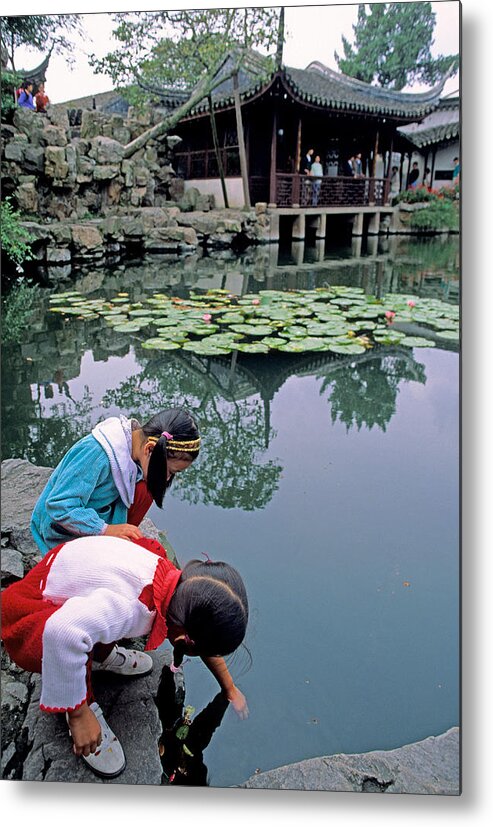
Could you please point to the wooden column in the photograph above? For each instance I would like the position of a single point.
(375, 153)
(433, 168)
(298, 150)
(273, 160)
(241, 142)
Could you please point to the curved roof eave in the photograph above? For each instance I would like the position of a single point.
(403, 105)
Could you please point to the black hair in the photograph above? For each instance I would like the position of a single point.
(211, 604)
(183, 428)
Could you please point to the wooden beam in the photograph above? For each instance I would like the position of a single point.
(241, 142)
(298, 149)
(375, 153)
(273, 159)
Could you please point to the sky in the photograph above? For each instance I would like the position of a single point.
(313, 32)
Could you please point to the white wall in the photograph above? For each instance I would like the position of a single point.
(212, 186)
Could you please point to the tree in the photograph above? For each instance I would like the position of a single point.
(182, 50)
(392, 46)
(43, 32)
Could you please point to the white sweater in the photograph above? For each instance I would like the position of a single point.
(98, 582)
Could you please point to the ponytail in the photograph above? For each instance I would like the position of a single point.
(175, 434)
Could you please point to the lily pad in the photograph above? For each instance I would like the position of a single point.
(453, 335)
(160, 344)
(346, 350)
(416, 341)
(251, 347)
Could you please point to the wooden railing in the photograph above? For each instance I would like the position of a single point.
(291, 189)
(337, 191)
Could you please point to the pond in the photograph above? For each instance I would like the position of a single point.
(331, 483)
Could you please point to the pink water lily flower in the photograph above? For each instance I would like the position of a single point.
(411, 303)
(389, 315)
(255, 301)
(207, 317)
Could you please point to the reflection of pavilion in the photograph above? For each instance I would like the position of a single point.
(236, 377)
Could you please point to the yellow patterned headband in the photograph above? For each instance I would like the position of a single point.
(176, 444)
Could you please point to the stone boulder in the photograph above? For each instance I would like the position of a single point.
(56, 165)
(54, 136)
(86, 237)
(428, 767)
(106, 151)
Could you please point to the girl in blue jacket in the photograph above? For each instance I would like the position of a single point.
(107, 481)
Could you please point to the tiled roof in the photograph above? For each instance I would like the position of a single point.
(318, 85)
(440, 126)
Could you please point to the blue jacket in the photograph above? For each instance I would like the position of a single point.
(26, 100)
(91, 487)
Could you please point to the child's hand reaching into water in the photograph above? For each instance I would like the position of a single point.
(84, 729)
(238, 702)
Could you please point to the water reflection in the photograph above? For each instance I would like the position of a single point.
(185, 738)
(50, 397)
(231, 397)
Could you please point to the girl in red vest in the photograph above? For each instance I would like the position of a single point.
(94, 590)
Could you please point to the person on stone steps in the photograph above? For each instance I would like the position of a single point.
(104, 486)
(76, 597)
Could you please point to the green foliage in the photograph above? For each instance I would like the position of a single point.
(441, 214)
(42, 32)
(10, 82)
(13, 236)
(17, 306)
(178, 48)
(392, 46)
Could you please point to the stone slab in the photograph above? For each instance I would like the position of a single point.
(428, 767)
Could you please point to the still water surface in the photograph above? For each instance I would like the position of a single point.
(332, 485)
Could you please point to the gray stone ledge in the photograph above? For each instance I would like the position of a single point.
(428, 767)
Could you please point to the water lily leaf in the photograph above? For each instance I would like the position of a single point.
(231, 318)
(303, 345)
(349, 349)
(274, 342)
(204, 349)
(453, 335)
(127, 327)
(160, 344)
(251, 330)
(251, 347)
(295, 332)
(416, 341)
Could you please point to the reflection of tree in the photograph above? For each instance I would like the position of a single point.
(52, 436)
(365, 392)
(227, 472)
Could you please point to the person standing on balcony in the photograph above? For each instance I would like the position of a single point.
(456, 172)
(316, 172)
(412, 181)
(358, 166)
(395, 184)
(306, 164)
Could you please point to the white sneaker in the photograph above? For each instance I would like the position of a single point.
(109, 759)
(128, 662)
